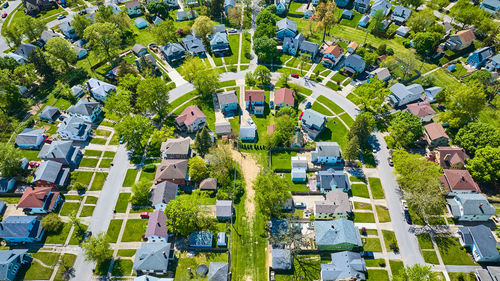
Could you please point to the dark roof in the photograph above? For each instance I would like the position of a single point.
(227, 97)
(52, 172)
(201, 238)
(193, 44)
(84, 107)
(56, 149)
(172, 169)
(308, 46)
(156, 224)
(19, 227)
(4, 183)
(218, 271)
(484, 240)
(152, 256)
(25, 50)
(287, 23)
(29, 136)
(163, 192)
(282, 259)
(332, 177)
(49, 112)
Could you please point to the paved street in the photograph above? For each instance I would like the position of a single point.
(12, 6)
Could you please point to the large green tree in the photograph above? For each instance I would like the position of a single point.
(283, 133)
(31, 27)
(265, 49)
(52, 223)
(406, 129)
(185, 215)
(271, 192)
(202, 141)
(164, 32)
(97, 248)
(477, 135)
(372, 94)
(206, 81)
(263, 74)
(362, 127)
(104, 39)
(198, 169)
(135, 131)
(426, 42)
(416, 272)
(152, 96)
(140, 194)
(485, 166)
(79, 24)
(159, 8)
(10, 160)
(325, 16)
(203, 26)
(221, 164)
(60, 50)
(118, 103)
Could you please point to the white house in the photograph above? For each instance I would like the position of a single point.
(299, 169)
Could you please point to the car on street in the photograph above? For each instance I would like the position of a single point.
(34, 164)
(6, 4)
(145, 215)
(294, 75)
(406, 211)
(272, 104)
(82, 12)
(60, 17)
(232, 30)
(4, 15)
(250, 121)
(87, 235)
(300, 116)
(405, 205)
(308, 105)
(389, 159)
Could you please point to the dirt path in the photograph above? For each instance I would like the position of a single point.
(250, 169)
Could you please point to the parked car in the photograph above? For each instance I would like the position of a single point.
(300, 116)
(294, 75)
(232, 30)
(308, 105)
(389, 159)
(82, 12)
(48, 140)
(145, 215)
(6, 4)
(87, 235)
(300, 205)
(60, 17)
(405, 205)
(250, 121)
(273, 276)
(4, 15)
(34, 164)
(272, 104)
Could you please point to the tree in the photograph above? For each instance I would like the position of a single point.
(97, 248)
(265, 17)
(79, 24)
(370, 58)
(426, 42)
(325, 16)
(202, 141)
(406, 128)
(203, 26)
(152, 96)
(25, 75)
(271, 192)
(372, 94)
(283, 133)
(249, 78)
(42, 67)
(286, 110)
(378, 18)
(263, 74)
(416, 272)
(77, 223)
(216, 8)
(191, 67)
(234, 16)
(52, 223)
(118, 103)
(135, 130)
(485, 166)
(206, 81)
(164, 32)
(129, 82)
(351, 151)
(198, 169)
(407, 64)
(483, 76)
(13, 34)
(140, 194)
(104, 38)
(362, 127)
(265, 30)
(466, 13)
(221, 164)
(31, 27)
(9, 63)
(412, 3)
(10, 160)
(60, 50)
(186, 215)
(477, 135)
(159, 8)
(422, 21)
(160, 136)
(265, 49)
(284, 79)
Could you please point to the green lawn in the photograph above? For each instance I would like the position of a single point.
(104, 133)
(110, 154)
(377, 275)
(304, 265)
(114, 230)
(134, 229)
(87, 211)
(362, 206)
(185, 262)
(334, 131)
(360, 190)
(68, 260)
(92, 152)
(91, 200)
(89, 162)
(245, 48)
(126, 252)
(363, 217)
(383, 214)
(68, 208)
(98, 141)
(60, 237)
(36, 271)
(355, 99)
(376, 188)
(31, 155)
(321, 109)
(130, 177)
(11, 200)
(462, 276)
(430, 257)
(147, 176)
(452, 252)
(282, 159)
(375, 262)
(369, 232)
(122, 267)
(105, 163)
(371, 244)
(122, 203)
(389, 238)
(330, 104)
(234, 43)
(357, 179)
(99, 179)
(347, 119)
(425, 241)
(396, 266)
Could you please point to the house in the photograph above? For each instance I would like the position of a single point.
(284, 97)
(490, 6)
(422, 110)
(153, 258)
(480, 241)
(201, 239)
(364, 21)
(157, 229)
(228, 102)
(99, 89)
(291, 45)
(24, 50)
(162, 193)
(30, 138)
(221, 239)
(435, 135)
(342, 3)
(470, 207)
(224, 209)
(219, 43)
(351, 48)
(191, 119)
(173, 52)
(51, 173)
(431, 93)
(401, 94)
(77, 91)
(140, 23)
(383, 5)
(208, 184)
(286, 28)
(299, 168)
(218, 271)
(337, 235)
(86, 109)
(19, 59)
(139, 50)
(248, 133)
(381, 73)
(11, 261)
(40, 200)
(172, 170)
(67, 30)
(354, 64)
(400, 15)
(336, 206)
(176, 148)
(186, 15)
(403, 31)
(327, 153)
(74, 128)
(332, 179)
(309, 13)
(345, 265)
(146, 61)
(194, 45)
(450, 157)
(222, 128)
(313, 122)
(309, 48)
(15, 230)
(478, 58)
(281, 7)
(6, 184)
(219, 28)
(80, 52)
(332, 55)
(361, 6)
(49, 113)
(33, 7)
(133, 8)
(255, 101)
(458, 182)
(460, 40)
(493, 64)
(61, 151)
(347, 14)
(282, 260)
(228, 4)
(491, 273)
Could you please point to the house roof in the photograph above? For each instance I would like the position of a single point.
(344, 266)
(219, 28)
(172, 169)
(421, 109)
(381, 73)
(9, 258)
(47, 35)
(227, 97)
(336, 232)
(138, 48)
(453, 155)
(491, 3)
(435, 131)
(402, 92)
(355, 61)
(208, 184)
(485, 52)
(99, 87)
(402, 12)
(328, 149)
(334, 50)
(56, 149)
(496, 58)
(179, 146)
(473, 204)
(224, 208)
(151, 278)
(156, 225)
(282, 259)
(48, 112)
(332, 177)
(287, 23)
(230, 3)
(483, 239)
(284, 95)
(190, 115)
(219, 38)
(201, 238)
(77, 90)
(308, 46)
(312, 117)
(38, 198)
(222, 128)
(455, 180)
(84, 107)
(337, 201)
(140, 22)
(163, 192)
(52, 172)
(247, 131)
(152, 256)
(381, 5)
(255, 95)
(25, 50)
(29, 136)
(4, 183)
(193, 44)
(293, 43)
(171, 49)
(218, 271)
(75, 125)
(132, 4)
(466, 35)
(20, 227)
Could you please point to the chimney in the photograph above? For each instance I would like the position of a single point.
(463, 178)
(165, 254)
(447, 157)
(333, 226)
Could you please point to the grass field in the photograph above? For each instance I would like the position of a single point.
(114, 230)
(389, 238)
(396, 266)
(383, 214)
(282, 159)
(372, 244)
(92, 153)
(122, 267)
(122, 203)
(430, 257)
(68, 208)
(452, 252)
(377, 275)
(425, 241)
(376, 188)
(99, 179)
(91, 200)
(87, 211)
(130, 177)
(89, 162)
(364, 217)
(134, 229)
(334, 131)
(360, 190)
(330, 104)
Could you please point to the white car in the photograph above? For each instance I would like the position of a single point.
(250, 121)
(404, 204)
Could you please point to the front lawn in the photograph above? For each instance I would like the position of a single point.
(101, 141)
(377, 275)
(89, 162)
(31, 155)
(122, 203)
(185, 262)
(87, 211)
(347, 119)
(362, 206)
(147, 176)
(321, 109)
(105, 163)
(335, 131)
(371, 244)
(452, 252)
(360, 190)
(92, 153)
(122, 267)
(425, 241)
(91, 200)
(389, 238)
(99, 179)
(134, 229)
(430, 257)
(363, 217)
(130, 177)
(304, 265)
(110, 154)
(376, 188)
(68, 208)
(114, 230)
(330, 104)
(383, 214)
(60, 237)
(126, 252)
(396, 266)
(68, 260)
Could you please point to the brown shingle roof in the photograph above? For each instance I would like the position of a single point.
(421, 109)
(284, 95)
(466, 35)
(435, 131)
(255, 95)
(208, 184)
(172, 169)
(458, 180)
(453, 155)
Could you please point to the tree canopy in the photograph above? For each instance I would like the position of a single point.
(97, 248)
(10, 160)
(164, 32)
(140, 194)
(186, 215)
(372, 94)
(135, 130)
(104, 38)
(203, 26)
(405, 129)
(265, 49)
(416, 272)
(198, 170)
(477, 135)
(485, 166)
(271, 192)
(152, 96)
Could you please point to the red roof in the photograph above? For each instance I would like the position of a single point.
(335, 50)
(421, 109)
(284, 95)
(449, 156)
(255, 95)
(435, 131)
(36, 198)
(458, 180)
(189, 115)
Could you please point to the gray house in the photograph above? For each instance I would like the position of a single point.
(309, 48)
(219, 43)
(194, 45)
(336, 206)
(99, 89)
(61, 151)
(162, 193)
(176, 148)
(332, 179)
(68, 30)
(24, 50)
(313, 122)
(400, 15)
(49, 113)
(224, 209)
(218, 271)
(86, 109)
(345, 265)
(153, 258)
(402, 94)
(480, 241)
(30, 138)
(51, 173)
(74, 128)
(470, 207)
(282, 260)
(11, 262)
(173, 52)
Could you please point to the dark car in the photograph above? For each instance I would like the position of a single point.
(389, 159)
(6, 4)
(87, 235)
(82, 12)
(308, 105)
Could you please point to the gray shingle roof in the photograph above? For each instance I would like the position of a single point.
(336, 232)
(218, 271)
(282, 259)
(337, 201)
(308, 46)
(401, 13)
(227, 97)
(8, 258)
(25, 50)
(84, 107)
(332, 177)
(312, 117)
(344, 265)
(224, 208)
(209, 184)
(19, 227)
(52, 172)
(47, 35)
(355, 61)
(152, 256)
(99, 87)
(222, 128)
(193, 44)
(172, 49)
(163, 192)
(247, 131)
(57, 149)
(482, 237)
(287, 23)
(75, 126)
(475, 204)
(176, 146)
(172, 169)
(138, 48)
(49, 112)
(328, 149)
(29, 136)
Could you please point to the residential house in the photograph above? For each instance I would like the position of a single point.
(146, 61)
(224, 209)
(460, 40)
(99, 89)
(77, 91)
(33, 7)
(431, 93)
(286, 28)
(284, 97)
(139, 50)
(337, 235)
(490, 6)
(344, 265)
(423, 110)
(403, 31)
(194, 45)
(491, 273)
(11, 262)
(458, 182)
(282, 260)
(51, 173)
(248, 133)
(332, 179)
(201, 239)
(400, 15)
(313, 123)
(172, 170)
(86, 109)
(40, 200)
(299, 169)
(291, 44)
(191, 119)
(228, 102)
(186, 15)
(218, 271)
(67, 30)
(493, 64)
(63, 152)
(19, 59)
(49, 113)
(228, 4)
(309, 48)
(342, 3)
(176, 148)
(80, 52)
(281, 7)
(354, 64)
(208, 184)
(362, 6)
(364, 21)
(255, 101)
(381, 73)
(309, 13)
(30, 138)
(401, 94)
(133, 8)
(480, 241)
(336, 206)
(74, 128)
(173, 52)
(15, 230)
(351, 48)
(219, 28)
(6, 184)
(450, 157)
(157, 229)
(383, 5)
(140, 23)
(222, 128)
(24, 50)
(470, 207)
(347, 14)
(327, 153)
(435, 135)
(478, 58)
(153, 258)
(162, 193)
(219, 43)
(332, 55)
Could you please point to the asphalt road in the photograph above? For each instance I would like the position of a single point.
(12, 6)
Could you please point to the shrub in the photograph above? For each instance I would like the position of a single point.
(149, 168)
